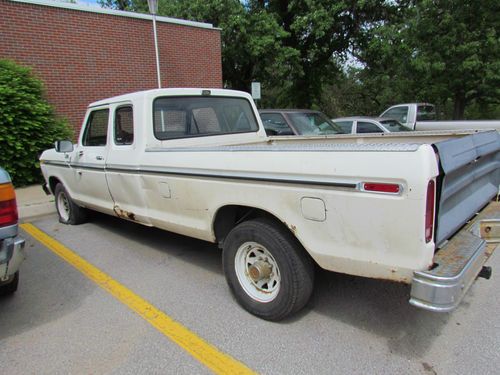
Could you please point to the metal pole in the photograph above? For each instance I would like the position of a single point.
(157, 53)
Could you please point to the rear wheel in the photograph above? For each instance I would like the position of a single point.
(69, 212)
(11, 287)
(267, 269)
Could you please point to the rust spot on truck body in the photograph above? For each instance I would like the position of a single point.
(124, 214)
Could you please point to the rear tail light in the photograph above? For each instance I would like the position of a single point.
(8, 207)
(429, 211)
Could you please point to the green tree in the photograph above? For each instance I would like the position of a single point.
(292, 47)
(441, 51)
(252, 47)
(321, 32)
(27, 123)
(456, 47)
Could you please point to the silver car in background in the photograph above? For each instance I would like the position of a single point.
(361, 125)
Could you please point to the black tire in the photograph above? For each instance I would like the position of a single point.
(11, 287)
(295, 269)
(68, 211)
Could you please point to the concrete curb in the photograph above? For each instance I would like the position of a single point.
(32, 201)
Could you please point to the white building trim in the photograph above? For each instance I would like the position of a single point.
(119, 13)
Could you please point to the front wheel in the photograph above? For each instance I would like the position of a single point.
(267, 269)
(69, 212)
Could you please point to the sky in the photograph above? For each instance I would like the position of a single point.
(88, 2)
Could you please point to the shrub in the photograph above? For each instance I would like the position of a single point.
(27, 123)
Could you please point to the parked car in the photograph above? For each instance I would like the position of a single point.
(11, 246)
(297, 122)
(356, 125)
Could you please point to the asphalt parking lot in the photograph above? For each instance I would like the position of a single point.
(60, 321)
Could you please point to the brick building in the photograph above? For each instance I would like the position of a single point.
(86, 53)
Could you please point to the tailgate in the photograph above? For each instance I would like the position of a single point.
(470, 179)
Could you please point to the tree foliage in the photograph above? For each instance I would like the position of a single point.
(441, 51)
(27, 123)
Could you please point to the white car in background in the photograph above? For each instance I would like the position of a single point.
(361, 125)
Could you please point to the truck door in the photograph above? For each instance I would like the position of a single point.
(91, 187)
(122, 164)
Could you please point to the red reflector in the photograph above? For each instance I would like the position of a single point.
(382, 188)
(429, 211)
(8, 213)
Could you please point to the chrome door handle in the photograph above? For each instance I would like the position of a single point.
(99, 158)
(80, 153)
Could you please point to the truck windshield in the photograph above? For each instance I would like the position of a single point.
(394, 126)
(313, 123)
(181, 117)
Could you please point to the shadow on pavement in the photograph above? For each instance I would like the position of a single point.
(379, 307)
(49, 288)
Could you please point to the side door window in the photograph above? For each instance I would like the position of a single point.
(124, 126)
(368, 127)
(398, 113)
(96, 131)
(275, 124)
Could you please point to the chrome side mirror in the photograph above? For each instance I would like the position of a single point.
(63, 146)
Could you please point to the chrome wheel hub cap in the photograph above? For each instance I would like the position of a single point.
(257, 271)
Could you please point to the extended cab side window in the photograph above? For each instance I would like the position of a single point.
(368, 127)
(124, 126)
(96, 131)
(398, 113)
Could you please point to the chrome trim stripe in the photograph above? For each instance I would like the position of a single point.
(96, 167)
(186, 172)
(56, 163)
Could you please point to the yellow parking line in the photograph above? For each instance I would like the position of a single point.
(207, 354)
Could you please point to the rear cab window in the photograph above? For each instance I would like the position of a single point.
(184, 117)
(426, 112)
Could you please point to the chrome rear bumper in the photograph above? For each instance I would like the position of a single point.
(11, 257)
(457, 264)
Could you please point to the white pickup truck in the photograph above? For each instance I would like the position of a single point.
(422, 116)
(403, 207)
